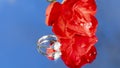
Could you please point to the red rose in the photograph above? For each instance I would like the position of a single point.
(74, 23)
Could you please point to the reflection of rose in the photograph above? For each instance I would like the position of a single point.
(74, 23)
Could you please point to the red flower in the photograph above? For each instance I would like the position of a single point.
(74, 23)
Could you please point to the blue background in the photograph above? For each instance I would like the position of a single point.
(22, 22)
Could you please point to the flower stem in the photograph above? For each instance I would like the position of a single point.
(51, 1)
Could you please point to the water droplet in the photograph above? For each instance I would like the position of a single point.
(90, 54)
(94, 53)
(88, 60)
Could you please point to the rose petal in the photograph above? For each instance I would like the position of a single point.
(52, 13)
